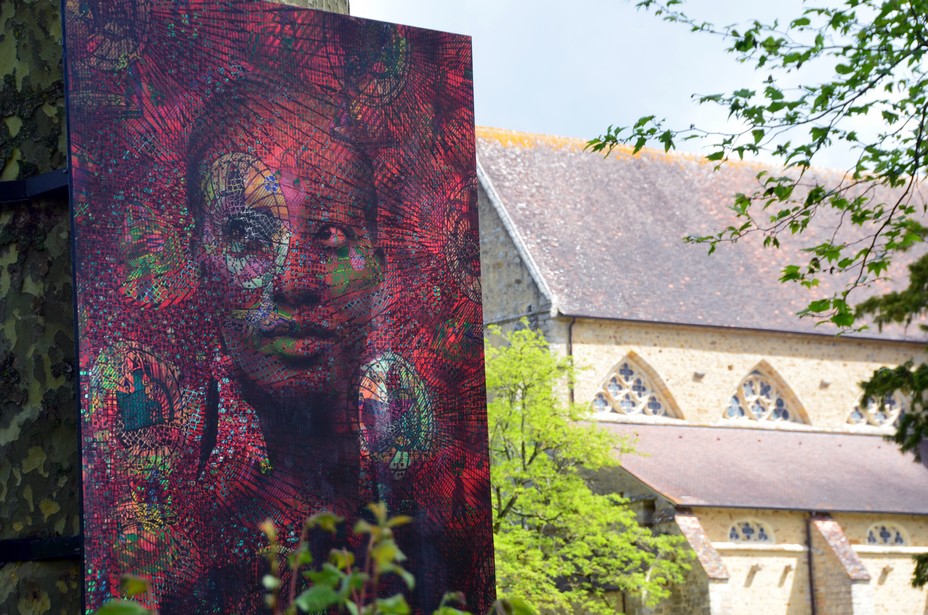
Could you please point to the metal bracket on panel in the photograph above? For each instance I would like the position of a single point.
(12, 191)
(36, 549)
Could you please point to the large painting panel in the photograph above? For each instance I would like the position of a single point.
(278, 293)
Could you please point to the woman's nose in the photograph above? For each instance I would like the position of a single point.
(302, 279)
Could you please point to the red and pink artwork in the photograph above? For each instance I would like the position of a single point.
(278, 294)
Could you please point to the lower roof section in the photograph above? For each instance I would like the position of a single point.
(757, 468)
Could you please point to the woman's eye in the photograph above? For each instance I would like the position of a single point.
(332, 236)
(251, 231)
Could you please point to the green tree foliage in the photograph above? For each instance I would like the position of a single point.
(559, 545)
(873, 56)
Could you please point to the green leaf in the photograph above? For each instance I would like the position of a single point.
(716, 155)
(920, 578)
(667, 139)
(515, 606)
(790, 273)
(394, 605)
(399, 520)
(385, 552)
(131, 586)
(270, 582)
(122, 607)
(316, 598)
(341, 558)
(843, 69)
(329, 575)
(445, 608)
(325, 521)
(819, 306)
(843, 319)
(404, 574)
(354, 581)
(379, 509)
(302, 556)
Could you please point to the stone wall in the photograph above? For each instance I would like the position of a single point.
(509, 291)
(890, 567)
(836, 570)
(702, 367)
(850, 578)
(764, 578)
(690, 597)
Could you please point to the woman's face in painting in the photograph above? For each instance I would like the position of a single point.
(287, 241)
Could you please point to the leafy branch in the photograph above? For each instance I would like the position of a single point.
(875, 51)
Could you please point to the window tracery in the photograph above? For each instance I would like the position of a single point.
(630, 391)
(879, 413)
(750, 531)
(759, 399)
(886, 534)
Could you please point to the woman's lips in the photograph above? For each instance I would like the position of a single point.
(297, 347)
(297, 339)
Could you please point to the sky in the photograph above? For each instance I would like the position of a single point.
(572, 68)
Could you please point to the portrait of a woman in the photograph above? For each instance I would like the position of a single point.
(278, 298)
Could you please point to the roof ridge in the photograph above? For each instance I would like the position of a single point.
(528, 140)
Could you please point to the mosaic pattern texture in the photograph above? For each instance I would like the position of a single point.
(278, 293)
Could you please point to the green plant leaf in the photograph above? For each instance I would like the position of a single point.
(404, 574)
(270, 582)
(341, 558)
(363, 527)
(385, 552)
(132, 586)
(445, 608)
(394, 605)
(379, 509)
(514, 606)
(122, 607)
(325, 521)
(316, 598)
(355, 581)
(399, 520)
(329, 575)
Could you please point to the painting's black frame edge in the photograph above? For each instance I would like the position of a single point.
(74, 294)
(39, 549)
(37, 186)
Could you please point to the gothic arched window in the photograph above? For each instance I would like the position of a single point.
(760, 397)
(881, 413)
(749, 530)
(631, 391)
(886, 535)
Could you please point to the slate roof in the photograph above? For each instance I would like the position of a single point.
(760, 468)
(605, 236)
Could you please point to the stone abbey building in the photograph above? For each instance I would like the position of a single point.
(751, 439)
(752, 442)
